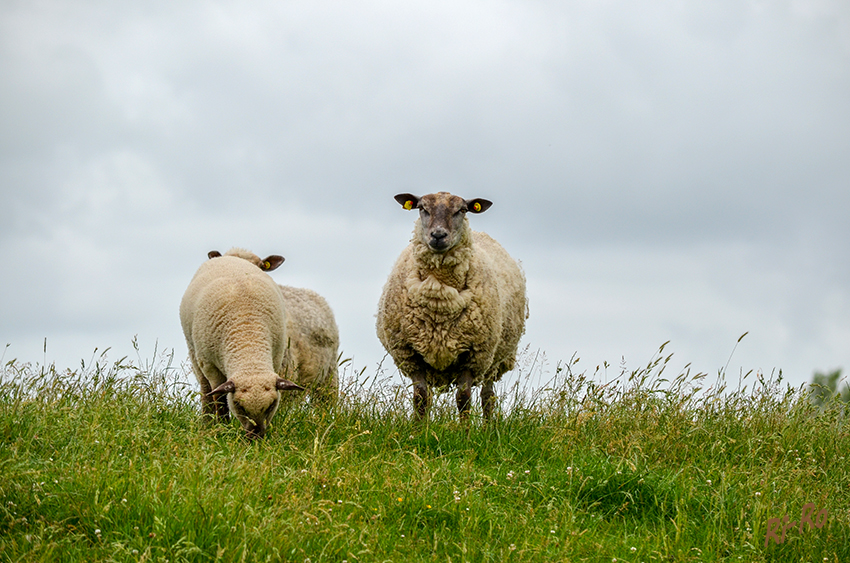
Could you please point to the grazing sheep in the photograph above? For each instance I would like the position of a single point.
(454, 307)
(234, 321)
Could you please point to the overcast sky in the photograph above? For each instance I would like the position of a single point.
(664, 171)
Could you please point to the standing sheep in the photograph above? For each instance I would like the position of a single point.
(454, 307)
(234, 321)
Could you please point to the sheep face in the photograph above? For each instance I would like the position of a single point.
(254, 405)
(441, 217)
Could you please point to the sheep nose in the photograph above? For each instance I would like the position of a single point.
(439, 234)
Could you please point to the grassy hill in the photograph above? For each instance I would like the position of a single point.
(111, 462)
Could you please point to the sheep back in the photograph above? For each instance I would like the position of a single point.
(231, 305)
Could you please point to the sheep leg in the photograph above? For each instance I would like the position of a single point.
(464, 394)
(421, 397)
(207, 402)
(213, 405)
(222, 411)
(488, 399)
(209, 408)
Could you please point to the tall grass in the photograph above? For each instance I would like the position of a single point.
(111, 462)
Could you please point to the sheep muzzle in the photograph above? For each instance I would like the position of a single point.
(439, 239)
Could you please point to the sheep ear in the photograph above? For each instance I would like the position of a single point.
(214, 254)
(226, 387)
(478, 205)
(408, 201)
(286, 385)
(272, 262)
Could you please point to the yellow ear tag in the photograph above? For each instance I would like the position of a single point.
(408, 205)
(476, 206)
(267, 265)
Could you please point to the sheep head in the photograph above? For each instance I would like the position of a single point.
(442, 217)
(271, 262)
(254, 405)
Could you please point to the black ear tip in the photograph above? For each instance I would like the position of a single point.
(479, 205)
(408, 201)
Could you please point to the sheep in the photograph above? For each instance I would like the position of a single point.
(454, 306)
(233, 318)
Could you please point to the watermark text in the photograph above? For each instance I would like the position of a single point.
(778, 527)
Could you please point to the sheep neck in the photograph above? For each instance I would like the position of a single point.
(449, 268)
(438, 282)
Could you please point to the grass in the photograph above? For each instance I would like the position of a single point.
(110, 462)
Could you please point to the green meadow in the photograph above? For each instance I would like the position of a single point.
(110, 461)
